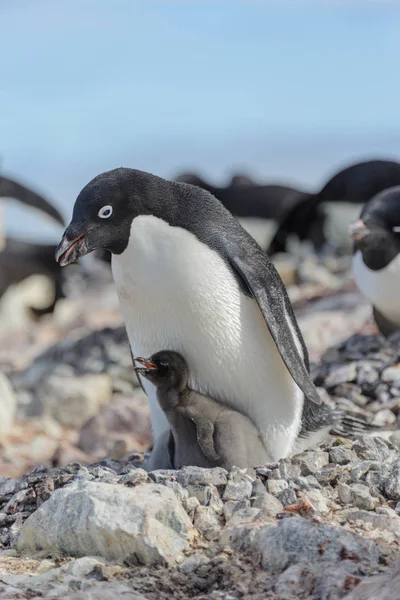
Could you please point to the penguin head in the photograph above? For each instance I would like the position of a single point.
(105, 208)
(165, 369)
(376, 234)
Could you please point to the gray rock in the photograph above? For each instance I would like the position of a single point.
(145, 524)
(206, 522)
(367, 377)
(233, 506)
(318, 501)
(307, 483)
(199, 476)
(362, 498)
(244, 515)
(371, 448)
(340, 455)
(287, 497)
(276, 486)
(342, 374)
(329, 475)
(391, 374)
(352, 392)
(192, 563)
(134, 477)
(361, 468)
(297, 540)
(381, 587)
(344, 493)
(239, 485)
(72, 401)
(268, 504)
(378, 521)
(392, 484)
(384, 418)
(10, 486)
(311, 462)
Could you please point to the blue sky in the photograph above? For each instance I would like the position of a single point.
(282, 90)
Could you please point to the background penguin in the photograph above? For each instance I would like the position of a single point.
(376, 261)
(192, 280)
(17, 191)
(19, 260)
(206, 434)
(323, 215)
(250, 202)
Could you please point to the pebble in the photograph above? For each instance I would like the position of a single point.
(340, 455)
(276, 486)
(311, 462)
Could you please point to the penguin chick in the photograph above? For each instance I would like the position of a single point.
(205, 433)
(376, 261)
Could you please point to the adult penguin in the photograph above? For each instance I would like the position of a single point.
(322, 215)
(192, 280)
(376, 261)
(17, 191)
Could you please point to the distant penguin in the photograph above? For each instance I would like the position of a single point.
(376, 261)
(192, 280)
(19, 260)
(17, 191)
(243, 198)
(205, 433)
(324, 215)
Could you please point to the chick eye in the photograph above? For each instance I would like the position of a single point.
(105, 212)
(163, 363)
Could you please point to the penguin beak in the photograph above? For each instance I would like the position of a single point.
(146, 366)
(70, 249)
(358, 230)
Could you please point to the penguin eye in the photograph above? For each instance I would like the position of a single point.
(105, 212)
(164, 363)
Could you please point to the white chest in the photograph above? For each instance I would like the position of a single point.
(176, 293)
(381, 287)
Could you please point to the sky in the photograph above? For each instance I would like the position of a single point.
(281, 90)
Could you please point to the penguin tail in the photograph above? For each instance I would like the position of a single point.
(347, 426)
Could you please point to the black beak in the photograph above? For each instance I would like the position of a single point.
(71, 248)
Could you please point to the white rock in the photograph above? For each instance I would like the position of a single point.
(8, 406)
(145, 524)
(73, 400)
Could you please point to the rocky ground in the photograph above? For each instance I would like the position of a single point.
(80, 518)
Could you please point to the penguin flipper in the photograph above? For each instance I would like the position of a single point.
(386, 327)
(266, 287)
(13, 189)
(205, 433)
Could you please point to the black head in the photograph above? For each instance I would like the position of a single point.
(165, 369)
(377, 232)
(104, 211)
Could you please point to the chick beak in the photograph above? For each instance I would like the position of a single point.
(145, 365)
(358, 230)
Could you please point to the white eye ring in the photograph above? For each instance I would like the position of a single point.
(105, 212)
